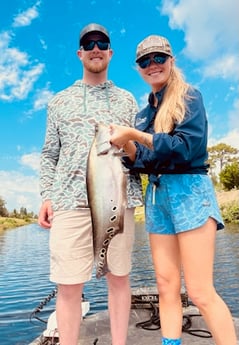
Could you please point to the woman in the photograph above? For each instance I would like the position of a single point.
(169, 144)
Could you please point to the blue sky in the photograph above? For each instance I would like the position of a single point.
(38, 43)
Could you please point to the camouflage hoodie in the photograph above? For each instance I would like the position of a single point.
(72, 115)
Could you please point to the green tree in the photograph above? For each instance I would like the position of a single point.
(230, 212)
(229, 176)
(3, 210)
(15, 214)
(23, 212)
(220, 155)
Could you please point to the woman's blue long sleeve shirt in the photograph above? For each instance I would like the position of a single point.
(183, 150)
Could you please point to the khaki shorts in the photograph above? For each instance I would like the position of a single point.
(71, 247)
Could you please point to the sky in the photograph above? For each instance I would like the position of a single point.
(38, 44)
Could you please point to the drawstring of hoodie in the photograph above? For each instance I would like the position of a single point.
(84, 99)
(107, 97)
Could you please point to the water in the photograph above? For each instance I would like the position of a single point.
(24, 278)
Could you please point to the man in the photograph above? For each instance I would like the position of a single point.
(72, 115)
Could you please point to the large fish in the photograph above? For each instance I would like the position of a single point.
(106, 188)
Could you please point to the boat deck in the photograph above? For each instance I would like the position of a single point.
(95, 329)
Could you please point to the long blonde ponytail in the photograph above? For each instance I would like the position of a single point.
(173, 106)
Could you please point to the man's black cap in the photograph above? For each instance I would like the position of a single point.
(93, 28)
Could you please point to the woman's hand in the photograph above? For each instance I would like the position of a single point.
(121, 137)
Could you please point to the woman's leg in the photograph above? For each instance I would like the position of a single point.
(166, 259)
(197, 248)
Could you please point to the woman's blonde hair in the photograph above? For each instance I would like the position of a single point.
(173, 107)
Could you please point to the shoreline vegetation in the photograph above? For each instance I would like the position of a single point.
(10, 222)
(228, 202)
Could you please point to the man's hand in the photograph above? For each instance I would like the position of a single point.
(45, 215)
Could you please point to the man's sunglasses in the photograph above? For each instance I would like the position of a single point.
(102, 45)
(158, 58)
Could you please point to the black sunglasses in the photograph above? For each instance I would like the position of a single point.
(158, 58)
(102, 45)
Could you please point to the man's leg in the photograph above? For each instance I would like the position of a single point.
(69, 313)
(71, 265)
(119, 292)
(119, 302)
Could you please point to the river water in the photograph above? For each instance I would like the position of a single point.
(24, 281)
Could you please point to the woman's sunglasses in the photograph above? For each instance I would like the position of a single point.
(91, 44)
(158, 58)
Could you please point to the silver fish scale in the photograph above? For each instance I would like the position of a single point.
(106, 188)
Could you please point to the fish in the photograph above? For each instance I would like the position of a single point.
(106, 191)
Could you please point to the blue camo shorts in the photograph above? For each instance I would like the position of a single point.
(180, 203)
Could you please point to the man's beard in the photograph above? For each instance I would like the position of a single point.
(93, 67)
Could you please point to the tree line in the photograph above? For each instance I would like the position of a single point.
(21, 214)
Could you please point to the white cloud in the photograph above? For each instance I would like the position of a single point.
(25, 84)
(18, 190)
(17, 73)
(210, 29)
(43, 43)
(40, 101)
(26, 17)
(231, 138)
(31, 160)
(42, 98)
(233, 114)
(224, 66)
